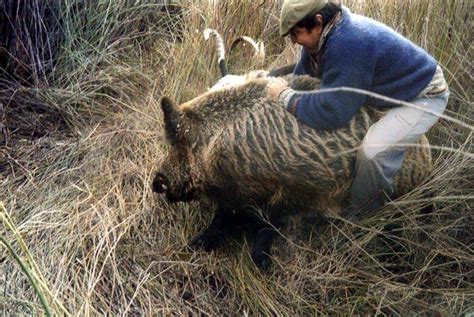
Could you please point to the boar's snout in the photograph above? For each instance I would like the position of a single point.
(175, 192)
(160, 183)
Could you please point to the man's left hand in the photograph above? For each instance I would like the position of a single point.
(275, 88)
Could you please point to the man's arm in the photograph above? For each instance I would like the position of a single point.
(333, 110)
(303, 67)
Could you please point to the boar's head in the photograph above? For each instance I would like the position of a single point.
(175, 177)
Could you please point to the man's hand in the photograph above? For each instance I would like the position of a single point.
(275, 88)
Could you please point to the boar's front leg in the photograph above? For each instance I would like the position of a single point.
(263, 243)
(261, 248)
(214, 235)
(229, 221)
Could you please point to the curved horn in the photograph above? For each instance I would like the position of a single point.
(258, 47)
(220, 48)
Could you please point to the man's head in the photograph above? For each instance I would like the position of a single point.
(305, 20)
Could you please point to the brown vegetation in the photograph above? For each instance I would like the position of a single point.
(81, 136)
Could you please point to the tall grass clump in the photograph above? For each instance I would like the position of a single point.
(81, 135)
(69, 63)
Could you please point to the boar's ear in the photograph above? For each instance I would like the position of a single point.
(171, 118)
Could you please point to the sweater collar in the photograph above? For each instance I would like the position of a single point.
(327, 29)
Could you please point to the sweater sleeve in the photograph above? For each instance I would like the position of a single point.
(342, 68)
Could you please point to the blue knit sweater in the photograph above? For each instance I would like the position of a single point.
(360, 53)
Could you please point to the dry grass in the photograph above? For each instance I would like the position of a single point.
(82, 137)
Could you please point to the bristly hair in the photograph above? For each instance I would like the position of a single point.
(261, 142)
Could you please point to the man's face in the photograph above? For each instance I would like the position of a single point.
(309, 39)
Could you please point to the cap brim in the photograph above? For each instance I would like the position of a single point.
(285, 34)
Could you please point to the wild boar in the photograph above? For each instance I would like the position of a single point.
(242, 152)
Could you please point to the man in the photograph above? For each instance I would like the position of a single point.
(349, 50)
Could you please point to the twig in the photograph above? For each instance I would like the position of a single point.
(390, 100)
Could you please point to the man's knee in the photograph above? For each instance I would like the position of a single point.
(384, 161)
(371, 149)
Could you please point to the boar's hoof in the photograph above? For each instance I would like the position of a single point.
(261, 259)
(160, 183)
(206, 240)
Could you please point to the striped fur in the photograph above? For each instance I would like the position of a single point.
(235, 145)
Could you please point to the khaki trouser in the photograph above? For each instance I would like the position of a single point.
(382, 152)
